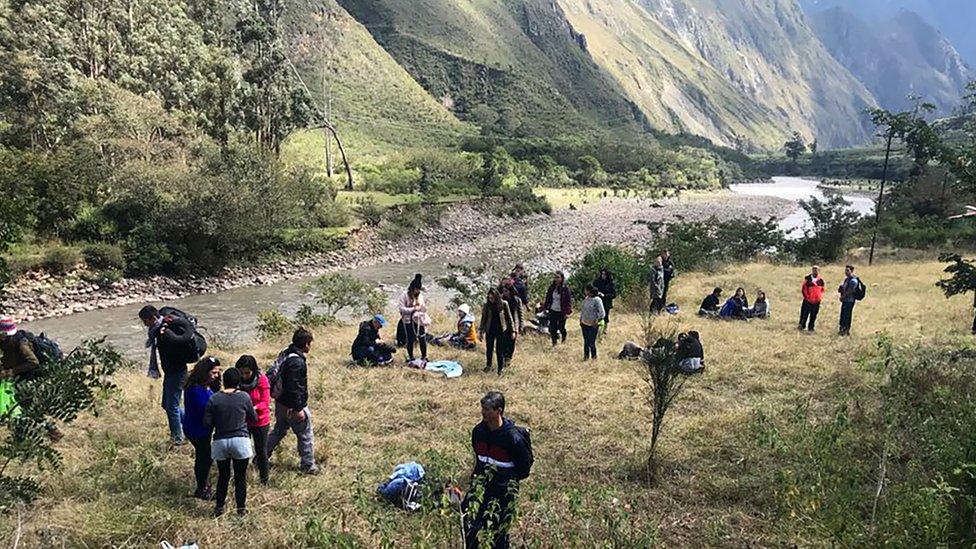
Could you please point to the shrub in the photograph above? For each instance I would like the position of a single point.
(144, 254)
(369, 212)
(103, 256)
(102, 278)
(274, 324)
(60, 260)
(309, 240)
(629, 271)
(519, 202)
(710, 244)
(338, 292)
(833, 225)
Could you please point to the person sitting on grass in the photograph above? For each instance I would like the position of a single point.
(228, 413)
(691, 355)
(759, 309)
(369, 349)
(735, 306)
(710, 305)
(465, 335)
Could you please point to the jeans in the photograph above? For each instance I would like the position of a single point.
(809, 311)
(495, 344)
(201, 462)
(590, 334)
(495, 512)
(302, 430)
(240, 482)
(172, 393)
(846, 316)
(416, 334)
(260, 436)
(557, 326)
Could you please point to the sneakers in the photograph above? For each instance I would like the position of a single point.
(311, 471)
(205, 493)
(241, 512)
(218, 511)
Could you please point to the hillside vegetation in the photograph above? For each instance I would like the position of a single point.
(777, 443)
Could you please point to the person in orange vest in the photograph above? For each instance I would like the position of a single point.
(813, 290)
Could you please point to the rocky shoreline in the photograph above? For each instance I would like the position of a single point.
(543, 242)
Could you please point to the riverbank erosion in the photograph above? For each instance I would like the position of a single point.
(464, 231)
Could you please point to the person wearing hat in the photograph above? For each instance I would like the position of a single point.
(19, 360)
(369, 347)
(413, 316)
(465, 336)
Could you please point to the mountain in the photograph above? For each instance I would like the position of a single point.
(896, 56)
(375, 103)
(953, 18)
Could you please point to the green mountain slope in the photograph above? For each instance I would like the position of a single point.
(376, 104)
(516, 65)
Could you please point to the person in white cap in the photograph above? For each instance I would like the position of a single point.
(465, 336)
(19, 360)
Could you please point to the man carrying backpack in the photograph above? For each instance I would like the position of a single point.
(850, 293)
(20, 362)
(503, 457)
(171, 336)
(289, 388)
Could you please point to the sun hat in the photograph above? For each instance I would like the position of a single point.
(381, 320)
(466, 309)
(7, 325)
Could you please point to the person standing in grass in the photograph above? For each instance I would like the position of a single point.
(200, 385)
(495, 329)
(229, 412)
(521, 285)
(413, 308)
(591, 313)
(657, 286)
(291, 403)
(559, 305)
(813, 290)
(667, 264)
(257, 386)
(607, 292)
(848, 298)
(515, 307)
(502, 459)
(974, 313)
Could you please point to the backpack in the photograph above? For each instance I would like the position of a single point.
(526, 468)
(274, 375)
(861, 290)
(196, 345)
(47, 350)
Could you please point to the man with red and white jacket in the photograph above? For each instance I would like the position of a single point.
(813, 291)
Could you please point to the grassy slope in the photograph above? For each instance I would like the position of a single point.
(518, 58)
(376, 104)
(591, 430)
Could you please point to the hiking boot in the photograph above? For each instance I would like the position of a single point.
(205, 493)
(486, 369)
(311, 471)
(218, 511)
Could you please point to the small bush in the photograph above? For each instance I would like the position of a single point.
(519, 202)
(369, 212)
(102, 278)
(274, 324)
(103, 256)
(626, 266)
(710, 244)
(310, 240)
(338, 292)
(332, 213)
(61, 260)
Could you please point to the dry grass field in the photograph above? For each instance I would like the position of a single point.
(121, 486)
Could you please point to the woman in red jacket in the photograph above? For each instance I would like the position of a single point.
(256, 384)
(813, 291)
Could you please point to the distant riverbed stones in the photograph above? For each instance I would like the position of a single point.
(543, 243)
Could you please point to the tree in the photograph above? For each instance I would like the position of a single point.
(338, 292)
(66, 388)
(795, 147)
(659, 368)
(832, 226)
(814, 147)
(497, 169)
(591, 173)
(963, 279)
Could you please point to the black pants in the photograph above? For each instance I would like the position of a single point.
(201, 462)
(809, 312)
(495, 345)
(416, 334)
(974, 325)
(260, 435)
(240, 482)
(557, 326)
(509, 338)
(657, 305)
(664, 295)
(846, 316)
(590, 334)
(606, 314)
(495, 513)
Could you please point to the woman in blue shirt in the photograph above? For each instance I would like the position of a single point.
(200, 386)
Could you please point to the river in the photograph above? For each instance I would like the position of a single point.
(231, 316)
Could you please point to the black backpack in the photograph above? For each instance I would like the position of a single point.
(195, 343)
(47, 350)
(526, 468)
(861, 290)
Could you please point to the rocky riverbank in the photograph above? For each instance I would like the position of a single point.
(543, 242)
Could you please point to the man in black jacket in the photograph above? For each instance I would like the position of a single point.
(369, 347)
(669, 271)
(168, 338)
(291, 405)
(502, 459)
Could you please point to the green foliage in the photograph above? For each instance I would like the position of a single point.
(64, 389)
(664, 380)
(519, 202)
(61, 260)
(591, 173)
(274, 324)
(103, 256)
(408, 219)
(628, 268)
(469, 283)
(103, 278)
(370, 212)
(341, 292)
(962, 273)
(795, 147)
(833, 224)
(710, 244)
